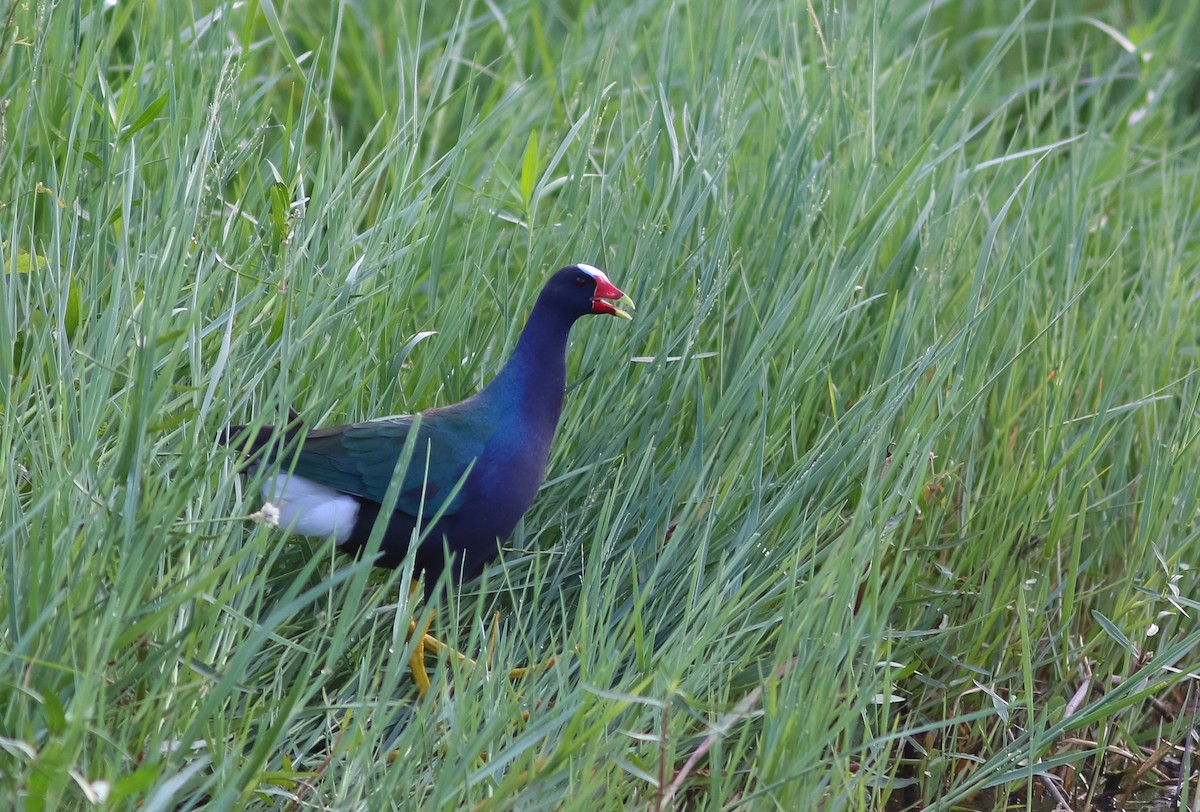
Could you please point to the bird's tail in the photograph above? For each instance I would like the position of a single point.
(264, 441)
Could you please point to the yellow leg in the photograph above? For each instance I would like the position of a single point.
(416, 663)
(426, 642)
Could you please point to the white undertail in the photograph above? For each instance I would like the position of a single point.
(311, 509)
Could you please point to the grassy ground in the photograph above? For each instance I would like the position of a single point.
(888, 498)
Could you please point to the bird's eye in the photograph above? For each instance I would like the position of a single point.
(581, 281)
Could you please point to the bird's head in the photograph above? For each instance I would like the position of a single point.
(583, 289)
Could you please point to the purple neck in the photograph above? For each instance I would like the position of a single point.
(529, 389)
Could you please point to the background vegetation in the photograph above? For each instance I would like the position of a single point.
(888, 498)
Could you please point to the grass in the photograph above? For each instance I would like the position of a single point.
(887, 499)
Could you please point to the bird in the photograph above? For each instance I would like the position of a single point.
(473, 467)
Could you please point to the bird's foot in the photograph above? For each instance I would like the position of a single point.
(428, 643)
(515, 674)
(416, 662)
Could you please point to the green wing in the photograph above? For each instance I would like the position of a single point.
(359, 459)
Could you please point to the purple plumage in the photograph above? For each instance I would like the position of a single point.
(475, 466)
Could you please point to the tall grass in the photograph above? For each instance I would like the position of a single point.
(887, 498)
